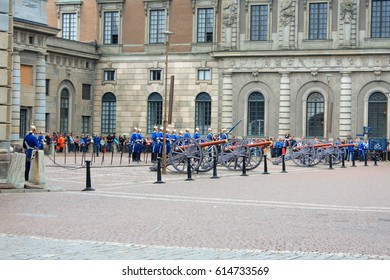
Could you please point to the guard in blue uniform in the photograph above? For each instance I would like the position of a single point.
(139, 146)
(210, 134)
(187, 133)
(196, 134)
(133, 140)
(30, 143)
(160, 140)
(154, 144)
(173, 136)
(168, 142)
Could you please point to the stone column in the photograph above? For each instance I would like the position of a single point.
(40, 95)
(284, 104)
(345, 126)
(227, 100)
(16, 97)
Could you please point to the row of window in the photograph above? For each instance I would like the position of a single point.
(315, 106)
(318, 22)
(109, 75)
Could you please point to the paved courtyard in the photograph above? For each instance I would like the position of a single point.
(307, 213)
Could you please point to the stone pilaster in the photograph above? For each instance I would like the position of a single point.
(40, 95)
(227, 100)
(284, 104)
(16, 98)
(345, 125)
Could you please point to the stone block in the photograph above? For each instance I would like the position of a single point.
(37, 173)
(4, 23)
(4, 113)
(16, 170)
(3, 77)
(3, 40)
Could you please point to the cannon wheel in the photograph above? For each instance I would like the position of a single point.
(255, 157)
(333, 152)
(208, 154)
(181, 150)
(306, 155)
(232, 153)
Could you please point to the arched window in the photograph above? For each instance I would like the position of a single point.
(203, 112)
(109, 113)
(315, 115)
(155, 116)
(256, 114)
(377, 114)
(64, 110)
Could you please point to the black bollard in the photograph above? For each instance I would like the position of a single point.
(159, 181)
(112, 154)
(265, 165)
(88, 184)
(375, 160)
(343, 160)
(365, 159)
(330, 162)
(189, 175)
(283, 164)
(214, 168)
(244, 166)
(353, 160)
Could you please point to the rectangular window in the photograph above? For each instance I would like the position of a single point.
(86, 92)
(26, 75)
(109, 75)
(318, 17)
(23, 122)
(259, 22)
(204, 75)
(157, 26)
(205, 25)
(111, 28)
(155, 75)
(380, 19)
(85, 124)
(47, 86)
(47, 122)
(69, 26)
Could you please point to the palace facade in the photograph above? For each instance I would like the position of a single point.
(316, 68)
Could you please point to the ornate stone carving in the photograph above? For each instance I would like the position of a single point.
(229, 9)
(287, 12)
(347, 10)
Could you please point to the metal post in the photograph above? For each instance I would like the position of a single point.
(214, 167)
(159, 181)
(375, 159)
(189, 175)
(75, 155)
(112, 153)
(283, 164)
(244, 166)
(365, 159)
(353, 159)
(65, 152)
(265, 165)
(88, 183)
(343, 159)
(330, 162)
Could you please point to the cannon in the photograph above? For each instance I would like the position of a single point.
(200, 152)
(307, 153)
(234, 152)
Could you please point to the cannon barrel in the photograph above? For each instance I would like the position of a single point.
(258, 144)
(210, 143)
(345, 145)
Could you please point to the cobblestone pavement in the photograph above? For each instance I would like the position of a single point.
(307, 213)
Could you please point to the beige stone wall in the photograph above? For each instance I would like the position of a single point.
(6, 28)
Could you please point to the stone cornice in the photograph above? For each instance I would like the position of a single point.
(34, 27)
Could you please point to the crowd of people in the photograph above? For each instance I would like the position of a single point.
(136, 143)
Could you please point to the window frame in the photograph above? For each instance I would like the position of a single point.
(110, 122)
(160, 37)
(250, 18)
(84, 93)
(155, 114)
(151, 79)
(109, 41)
(318, 19)
(307, 120)
(203, 112)
(263, 113)
(106, 79)
(206, 40)
(73, 27)
(381, 21)
(204, 71)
